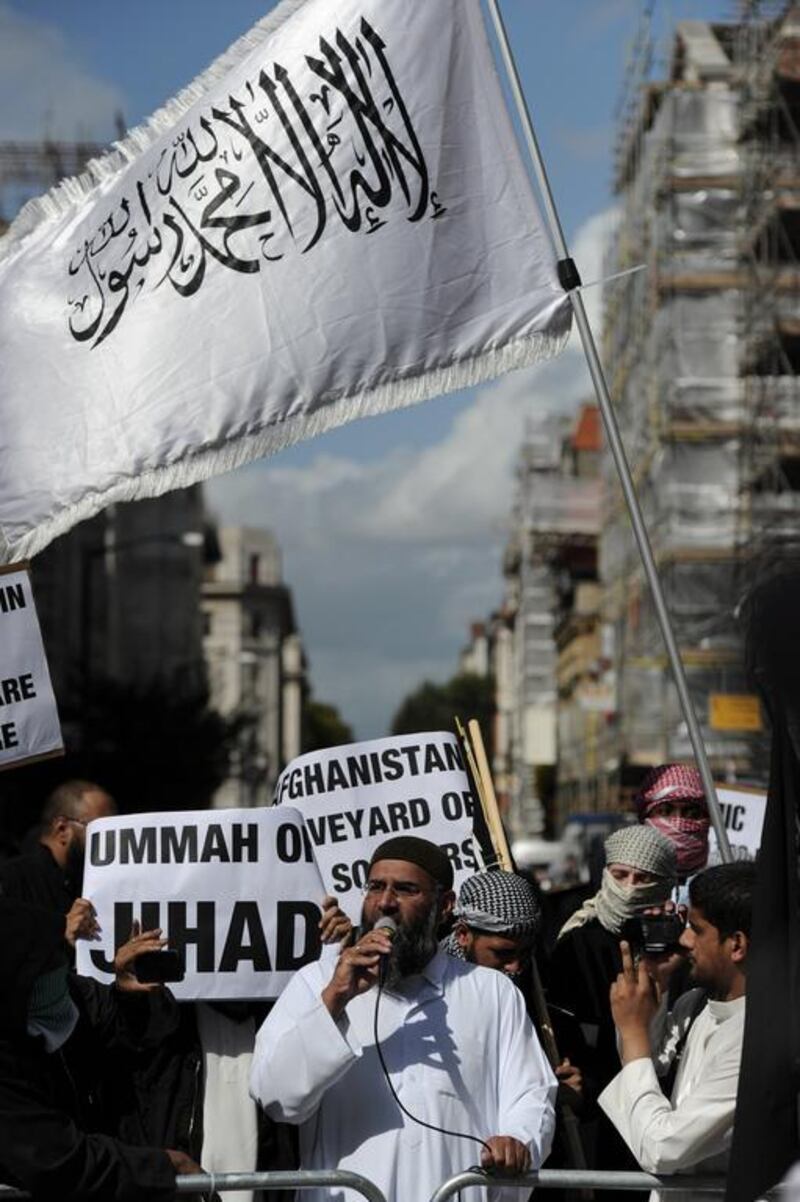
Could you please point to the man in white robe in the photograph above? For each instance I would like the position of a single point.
(460, 1051)
(691, 1129)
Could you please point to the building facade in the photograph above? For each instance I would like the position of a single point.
(118, 599)
(701, 352)
(544, 639)
(255, 661)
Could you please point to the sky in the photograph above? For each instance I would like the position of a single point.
(392, 528)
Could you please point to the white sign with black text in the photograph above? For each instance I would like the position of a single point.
(236, 893)
(29, 726)
(356, 796)
(743, 811)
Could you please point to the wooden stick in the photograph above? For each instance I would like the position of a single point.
(473, 767)
(480, 831)
(491, 810)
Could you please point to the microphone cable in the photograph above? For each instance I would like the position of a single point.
(420, 1122)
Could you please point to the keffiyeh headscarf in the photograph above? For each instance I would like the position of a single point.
(496, 903)
(677, 783)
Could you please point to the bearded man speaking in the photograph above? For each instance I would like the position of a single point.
(460, 1052)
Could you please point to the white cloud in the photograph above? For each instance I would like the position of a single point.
(390, 558)
(45, 91)
(588, 252)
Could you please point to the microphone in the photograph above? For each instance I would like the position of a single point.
(387, 924)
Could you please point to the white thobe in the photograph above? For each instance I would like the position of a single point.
(461, 1054)
(691, 1131)
(230, 1120)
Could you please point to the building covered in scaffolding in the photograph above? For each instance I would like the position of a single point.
(702, 350)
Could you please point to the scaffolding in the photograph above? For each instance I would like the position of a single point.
(702, 350)
(769, 56)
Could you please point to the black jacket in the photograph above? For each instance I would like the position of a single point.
(36, 879)
(584, 964)
(54, 1125)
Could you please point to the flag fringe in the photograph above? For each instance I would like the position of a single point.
(68, 194)
(244, 448)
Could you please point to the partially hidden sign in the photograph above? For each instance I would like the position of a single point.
(236, 893)
(743, 812)
(29, 726)
(356, 796)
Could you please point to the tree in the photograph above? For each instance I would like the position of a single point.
(436, 707)
(323, 726)
(157, 747)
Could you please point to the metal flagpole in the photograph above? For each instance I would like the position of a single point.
(570, 280)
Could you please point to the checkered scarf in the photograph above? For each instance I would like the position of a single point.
(669, 782)
(689, 836)
(498, 903)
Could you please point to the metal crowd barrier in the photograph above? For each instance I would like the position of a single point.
(582, 1179)
(211, 1183)
(217, 1183)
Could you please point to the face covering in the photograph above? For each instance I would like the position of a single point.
(614, 903)
(689, 837)
(52, 1014)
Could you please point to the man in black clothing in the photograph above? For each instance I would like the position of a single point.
(51, 875)
(640, 872)
(55, 1030)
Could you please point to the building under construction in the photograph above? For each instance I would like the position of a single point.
(701, 351)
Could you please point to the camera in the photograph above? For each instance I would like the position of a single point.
(153, 968)
(654, 934)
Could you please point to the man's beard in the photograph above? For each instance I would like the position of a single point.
(413, 945)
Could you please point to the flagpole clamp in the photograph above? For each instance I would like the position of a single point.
(568, 275)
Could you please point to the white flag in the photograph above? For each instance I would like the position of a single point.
(332, 221)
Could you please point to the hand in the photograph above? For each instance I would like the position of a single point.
(81, 921)
(125, 964)
(335, 926)
(506, 1155)
(356, 970)
(182, 1163)
(570, 1076)
(633, 1006)
(661, 968)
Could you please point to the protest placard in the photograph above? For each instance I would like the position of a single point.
(29, 726)
(743, 810)
(236, 893)
(355, 796)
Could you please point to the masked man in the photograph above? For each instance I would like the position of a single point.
(673, 801)
(640, 872)
(460, 1052)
